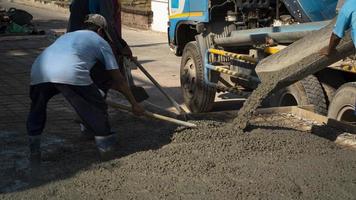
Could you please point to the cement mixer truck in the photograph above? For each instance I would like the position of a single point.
(222, 41)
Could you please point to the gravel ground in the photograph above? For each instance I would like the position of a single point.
(160, 161)
(156, 160)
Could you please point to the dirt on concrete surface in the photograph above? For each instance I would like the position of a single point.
(156, 160)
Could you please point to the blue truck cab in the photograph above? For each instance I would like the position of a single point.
(221, 42)
(182, 14)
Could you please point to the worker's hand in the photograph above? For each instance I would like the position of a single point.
(138, 110)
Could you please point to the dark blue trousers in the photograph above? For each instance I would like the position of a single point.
(86, 101)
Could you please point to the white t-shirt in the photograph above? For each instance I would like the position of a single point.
(69, 59)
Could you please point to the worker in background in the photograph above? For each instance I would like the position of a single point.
(64, 68)
(346, 20)
(111, 10)
(79, 9)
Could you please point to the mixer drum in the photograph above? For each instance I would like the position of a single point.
(311, 10)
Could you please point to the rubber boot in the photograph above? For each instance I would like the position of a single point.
(35, 158)
(86, 133)
(35, 149)
(106, 146)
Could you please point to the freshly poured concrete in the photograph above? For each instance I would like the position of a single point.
(292, 64)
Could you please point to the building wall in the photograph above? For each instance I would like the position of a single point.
(137, 18)
(160, 15)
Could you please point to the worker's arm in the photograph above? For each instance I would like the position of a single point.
(106, 56)
(120, 85)
(122, 48)
(343, 23)
(126, 50)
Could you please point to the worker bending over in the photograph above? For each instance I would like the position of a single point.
(64, 67)
(346, 20)
(110, 10)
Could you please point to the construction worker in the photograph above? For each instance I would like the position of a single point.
(64, 67)
(79, 9)
(110, 9)
(346, 19)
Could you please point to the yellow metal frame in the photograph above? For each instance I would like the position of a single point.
(270, 50)
(243, 57)
(346, 68)
(226, 71)
(274, 49)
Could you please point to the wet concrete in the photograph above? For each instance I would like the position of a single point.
(159, 161)
(156, 160)
(292, 64)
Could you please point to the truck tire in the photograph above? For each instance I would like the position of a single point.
(330, 85)
(329, 92)
(342, 107)
(305, 92)
(198, 96)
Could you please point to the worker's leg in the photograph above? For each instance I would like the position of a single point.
(103, 81)
(40, 95)
(78, 11)
(92, 109)
(101, 77)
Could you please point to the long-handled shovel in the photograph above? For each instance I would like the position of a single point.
(148, 75)
(119, 106)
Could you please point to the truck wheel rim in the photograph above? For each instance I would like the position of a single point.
(189, 77)
(347, 114)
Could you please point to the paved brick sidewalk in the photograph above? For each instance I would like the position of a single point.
(17, 57)
(65, 153)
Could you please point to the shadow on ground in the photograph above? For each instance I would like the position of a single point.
(65, 153)
(176, 93)
(326, 132)
(148, 45)
(47, 25)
